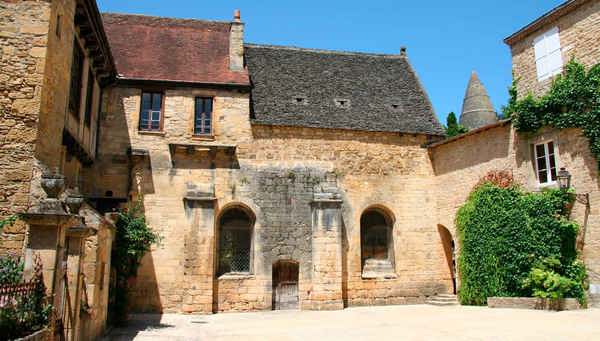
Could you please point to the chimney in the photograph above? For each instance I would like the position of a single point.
(236, 43)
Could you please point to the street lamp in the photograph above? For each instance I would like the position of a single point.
(564, 179)
(564, 182)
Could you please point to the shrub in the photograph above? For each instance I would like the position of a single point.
(132, 240)
(504, 233)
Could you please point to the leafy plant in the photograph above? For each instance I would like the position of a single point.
(11, 270)
(21, 315)
(8, 221)
(133, 240)
(573, 101)
(551, 279)
(453, 127)
(504, 232)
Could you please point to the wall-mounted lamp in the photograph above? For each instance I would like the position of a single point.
(564, 182)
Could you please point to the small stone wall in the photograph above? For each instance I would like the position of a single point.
(534, 303)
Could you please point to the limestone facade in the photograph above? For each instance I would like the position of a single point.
(579, 32)
(500, 147)
(278, 174)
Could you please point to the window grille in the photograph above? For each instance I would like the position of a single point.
(234, 250)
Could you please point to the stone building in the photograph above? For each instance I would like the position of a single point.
(541, 49)
(278, 177)
(477, 110)
(55, 62)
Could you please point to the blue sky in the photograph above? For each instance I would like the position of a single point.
(445, 39)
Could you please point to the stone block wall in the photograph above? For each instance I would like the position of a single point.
(579, 38)
(23, 38)
(459, 165)
(274, 173)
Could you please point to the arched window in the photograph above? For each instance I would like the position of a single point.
(235, 241)
(376, 243)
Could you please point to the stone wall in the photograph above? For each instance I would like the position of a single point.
(275, 173)
(579, 38)
(23, 39)
(459, 164)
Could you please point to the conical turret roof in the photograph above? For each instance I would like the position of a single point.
(477, 108)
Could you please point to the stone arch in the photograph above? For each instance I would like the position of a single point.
(377, 242)
(449, 247)
(235, 239)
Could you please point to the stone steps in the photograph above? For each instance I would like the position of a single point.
(443, 300)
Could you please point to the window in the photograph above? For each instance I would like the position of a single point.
(89, 98)
(548, 58)
(150, 113)
(76, 81)
(235, 237)
(376, 244)
(203, 116)
(545, 162)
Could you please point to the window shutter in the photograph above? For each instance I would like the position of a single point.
(548, 58)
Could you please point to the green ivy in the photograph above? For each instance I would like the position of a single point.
(133, 240)
(8, 221)
(504, 233)
(573, 101)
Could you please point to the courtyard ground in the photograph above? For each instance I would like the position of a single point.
(411, 322)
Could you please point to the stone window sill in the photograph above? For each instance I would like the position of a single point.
(236, 276)
(151, 132)
(203, 137)
(378, 275)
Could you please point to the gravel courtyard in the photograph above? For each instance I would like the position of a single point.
(416, 322)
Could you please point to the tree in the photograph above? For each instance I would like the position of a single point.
(454, 128)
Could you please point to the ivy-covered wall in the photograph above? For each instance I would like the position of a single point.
(515, 243)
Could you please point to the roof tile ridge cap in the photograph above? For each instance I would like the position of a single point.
(323, 51)
(425, 94)
(116, 15)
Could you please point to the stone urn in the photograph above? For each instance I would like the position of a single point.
(53, 184)
(74, 200)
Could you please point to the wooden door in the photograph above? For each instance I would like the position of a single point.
(285, 285)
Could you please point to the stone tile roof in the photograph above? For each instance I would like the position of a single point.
(344, 90)
(169, 49)
(477, 108)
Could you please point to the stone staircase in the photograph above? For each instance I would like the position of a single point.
(443, 300)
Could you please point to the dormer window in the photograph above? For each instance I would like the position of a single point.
(299, 99)
(342, 103)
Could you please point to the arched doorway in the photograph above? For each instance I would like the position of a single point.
(450, 253)
(285, 285)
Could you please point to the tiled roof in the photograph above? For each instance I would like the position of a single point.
(343, 90)
(168, 49)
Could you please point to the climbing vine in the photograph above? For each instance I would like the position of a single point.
(8, 221)
(573, 101)
(515, 243)
(133, 240)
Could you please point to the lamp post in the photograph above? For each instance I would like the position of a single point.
(564, 182)
(564, 179)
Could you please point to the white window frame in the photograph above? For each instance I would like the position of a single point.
(547, 159)
(547, 49)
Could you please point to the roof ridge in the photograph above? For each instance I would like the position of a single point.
(324, 51)
(181, 20)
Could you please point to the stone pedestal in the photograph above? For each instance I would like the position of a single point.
(199, 255)
(326, 293)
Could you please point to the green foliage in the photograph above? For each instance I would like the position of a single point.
(8, 221)
(508, 109)
(549, 278)
(132, 240)
(573, 101)
(11, 270)
(22, 315)
(454, 128)
(504, 232)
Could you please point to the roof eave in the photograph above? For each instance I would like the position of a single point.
(471, 132)
(555, 13)
(178, 83)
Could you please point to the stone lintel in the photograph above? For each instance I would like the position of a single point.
(80, 231)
